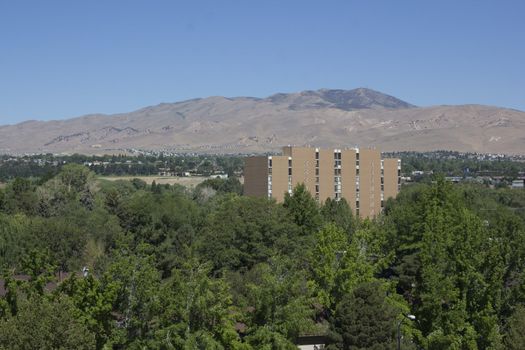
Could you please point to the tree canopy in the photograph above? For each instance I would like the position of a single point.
(127, 265)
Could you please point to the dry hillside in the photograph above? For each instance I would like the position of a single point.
(244, 124)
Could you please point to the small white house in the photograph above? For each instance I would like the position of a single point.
(518, 184)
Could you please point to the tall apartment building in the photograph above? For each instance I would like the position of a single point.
(358, 175)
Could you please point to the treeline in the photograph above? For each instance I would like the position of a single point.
(459, 164)
(165, 267)
(49, 165)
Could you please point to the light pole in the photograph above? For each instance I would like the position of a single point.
(410, 317)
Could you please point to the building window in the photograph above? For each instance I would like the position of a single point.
(337, 171)
(289, 171)
(270, 171)
(317, 188)
(357, 172)
(270, 162)
(289, 162)
(357, 156)
(316, 171)
(317, 155)
(357, 204)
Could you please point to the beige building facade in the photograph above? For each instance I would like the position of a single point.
(360, 176)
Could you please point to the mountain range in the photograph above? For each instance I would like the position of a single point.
(327, 117)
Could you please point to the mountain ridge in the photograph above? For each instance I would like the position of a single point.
(325, 117)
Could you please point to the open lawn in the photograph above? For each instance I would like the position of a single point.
(191, 181)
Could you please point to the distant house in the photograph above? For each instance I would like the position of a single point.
(165, 172)
(455, 179)
(518, 184)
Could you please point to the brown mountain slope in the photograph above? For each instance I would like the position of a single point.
(230, 125)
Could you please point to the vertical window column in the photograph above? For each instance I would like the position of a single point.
(290, 175)
(357, 181)
(317, 174)
(382, 184)
(270, 177)
(337, 174)
(372, 188)
(398, 175)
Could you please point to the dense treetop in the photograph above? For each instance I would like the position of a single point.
(166, 267)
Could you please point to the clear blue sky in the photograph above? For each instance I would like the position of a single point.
(61, 59)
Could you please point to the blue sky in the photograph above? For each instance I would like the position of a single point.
(61, 59)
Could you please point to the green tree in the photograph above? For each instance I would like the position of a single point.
(196, 309)
(339, 263)
(15, 239)
(63, 239)
(76, 178)
(515, 337)
(364, 319)
(339, 213)
(276, 299)
(137, 303)
(303, 210)
(46, 325)
(20, 197)
(445, 253)
(230, 185)
(332, 243)
(94, 303)
(2, 200)
(240, 232)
